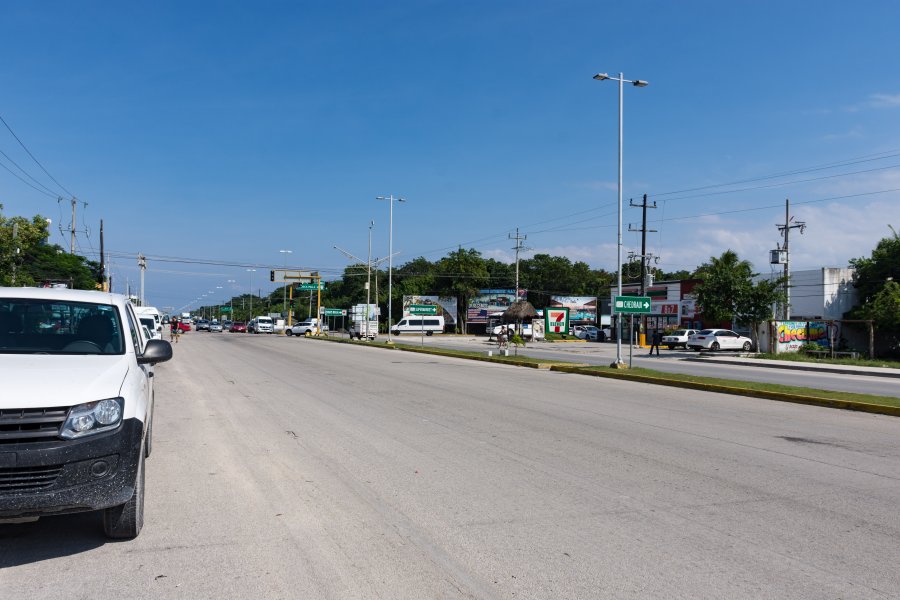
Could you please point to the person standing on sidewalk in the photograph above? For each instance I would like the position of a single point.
(657, 338)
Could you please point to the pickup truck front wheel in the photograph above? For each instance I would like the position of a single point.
(124, 522)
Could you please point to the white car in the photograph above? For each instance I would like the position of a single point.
(719, 339)
(76, 411)
(307, 327)
(526, 329)
(676, 338)
(591, 333)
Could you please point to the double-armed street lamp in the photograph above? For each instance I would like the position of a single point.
(390, 200)
(637, 83)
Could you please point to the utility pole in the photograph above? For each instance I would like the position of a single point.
(644, 256)
(102, 264)
(72, 228)
(15, 238)
(142, 263)
(785, 230)
(519, 247)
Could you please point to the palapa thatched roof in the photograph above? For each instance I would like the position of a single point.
(519, 311)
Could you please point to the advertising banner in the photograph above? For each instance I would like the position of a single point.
(489, 302)
(790, 335)
(447, 304)
(582, 309)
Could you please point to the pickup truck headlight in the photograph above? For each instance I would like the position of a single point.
(93, 417)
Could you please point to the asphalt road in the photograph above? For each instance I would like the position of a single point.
(287, 468)
(673, 361)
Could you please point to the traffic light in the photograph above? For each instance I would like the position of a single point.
(272, 275)
(292, 303)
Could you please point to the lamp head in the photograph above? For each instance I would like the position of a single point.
(640, 83)
(601, 76)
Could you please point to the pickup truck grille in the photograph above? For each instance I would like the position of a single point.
(19, 425)
(27, 479)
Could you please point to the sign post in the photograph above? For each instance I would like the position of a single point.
(422, 310)
(631, 305)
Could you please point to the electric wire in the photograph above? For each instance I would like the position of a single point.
(37, 162)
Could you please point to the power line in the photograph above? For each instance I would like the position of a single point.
(37, 162)
(16, 175)
(26, 173)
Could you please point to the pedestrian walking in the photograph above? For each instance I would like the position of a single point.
(657, 338)
(174, 331)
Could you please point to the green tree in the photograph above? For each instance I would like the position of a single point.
(462, 274)
(726, 282)
(876, 282)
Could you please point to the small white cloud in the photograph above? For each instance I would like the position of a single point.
(884, 100)
(854, 133)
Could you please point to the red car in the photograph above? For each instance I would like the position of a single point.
(183, 326)
(238, 327)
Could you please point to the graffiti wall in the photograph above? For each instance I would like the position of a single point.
(790, 335)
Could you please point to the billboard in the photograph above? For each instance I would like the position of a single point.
(582, 309)
(489, 302)
(447, 304)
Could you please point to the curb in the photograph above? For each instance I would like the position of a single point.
(577, 369)
(795, 367)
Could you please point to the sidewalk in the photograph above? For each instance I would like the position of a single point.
(796, 366)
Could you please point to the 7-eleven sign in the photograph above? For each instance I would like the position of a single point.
(556, 320)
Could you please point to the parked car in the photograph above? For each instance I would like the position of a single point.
(591, 333)
(150, 323)
(719, 339)
(215, 326)
(76, 412)
(526, 329)
(676, 338)
(238, 327)
(202, 325)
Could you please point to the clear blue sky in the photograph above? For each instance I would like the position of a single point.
(228, 131)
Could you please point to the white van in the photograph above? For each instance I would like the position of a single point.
(150, 311)
(261, 325)
(429, 325)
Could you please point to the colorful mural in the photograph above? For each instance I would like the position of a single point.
(790, 335)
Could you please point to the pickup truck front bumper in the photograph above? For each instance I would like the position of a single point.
(66, 476)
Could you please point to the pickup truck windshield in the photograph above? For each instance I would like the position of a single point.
(29, 326)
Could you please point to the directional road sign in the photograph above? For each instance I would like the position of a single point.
(311, 286)
(335, 312)
(631, 304)
(422, 309)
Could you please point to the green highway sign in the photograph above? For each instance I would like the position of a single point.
(422, 309)
(631, 304)
(311, 286)
(335, 312)
(225, 309)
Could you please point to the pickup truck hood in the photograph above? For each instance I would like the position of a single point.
(39, 380)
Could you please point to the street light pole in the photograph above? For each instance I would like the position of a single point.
(390, 200)
(637, 83)
(231, 302)
(284, 289)
(250, 317)
(369, 278)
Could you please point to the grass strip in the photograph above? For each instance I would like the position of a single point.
(805, 358)
(853, 401)
(885, 405)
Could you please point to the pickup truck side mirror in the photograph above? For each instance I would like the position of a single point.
(156, 351)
